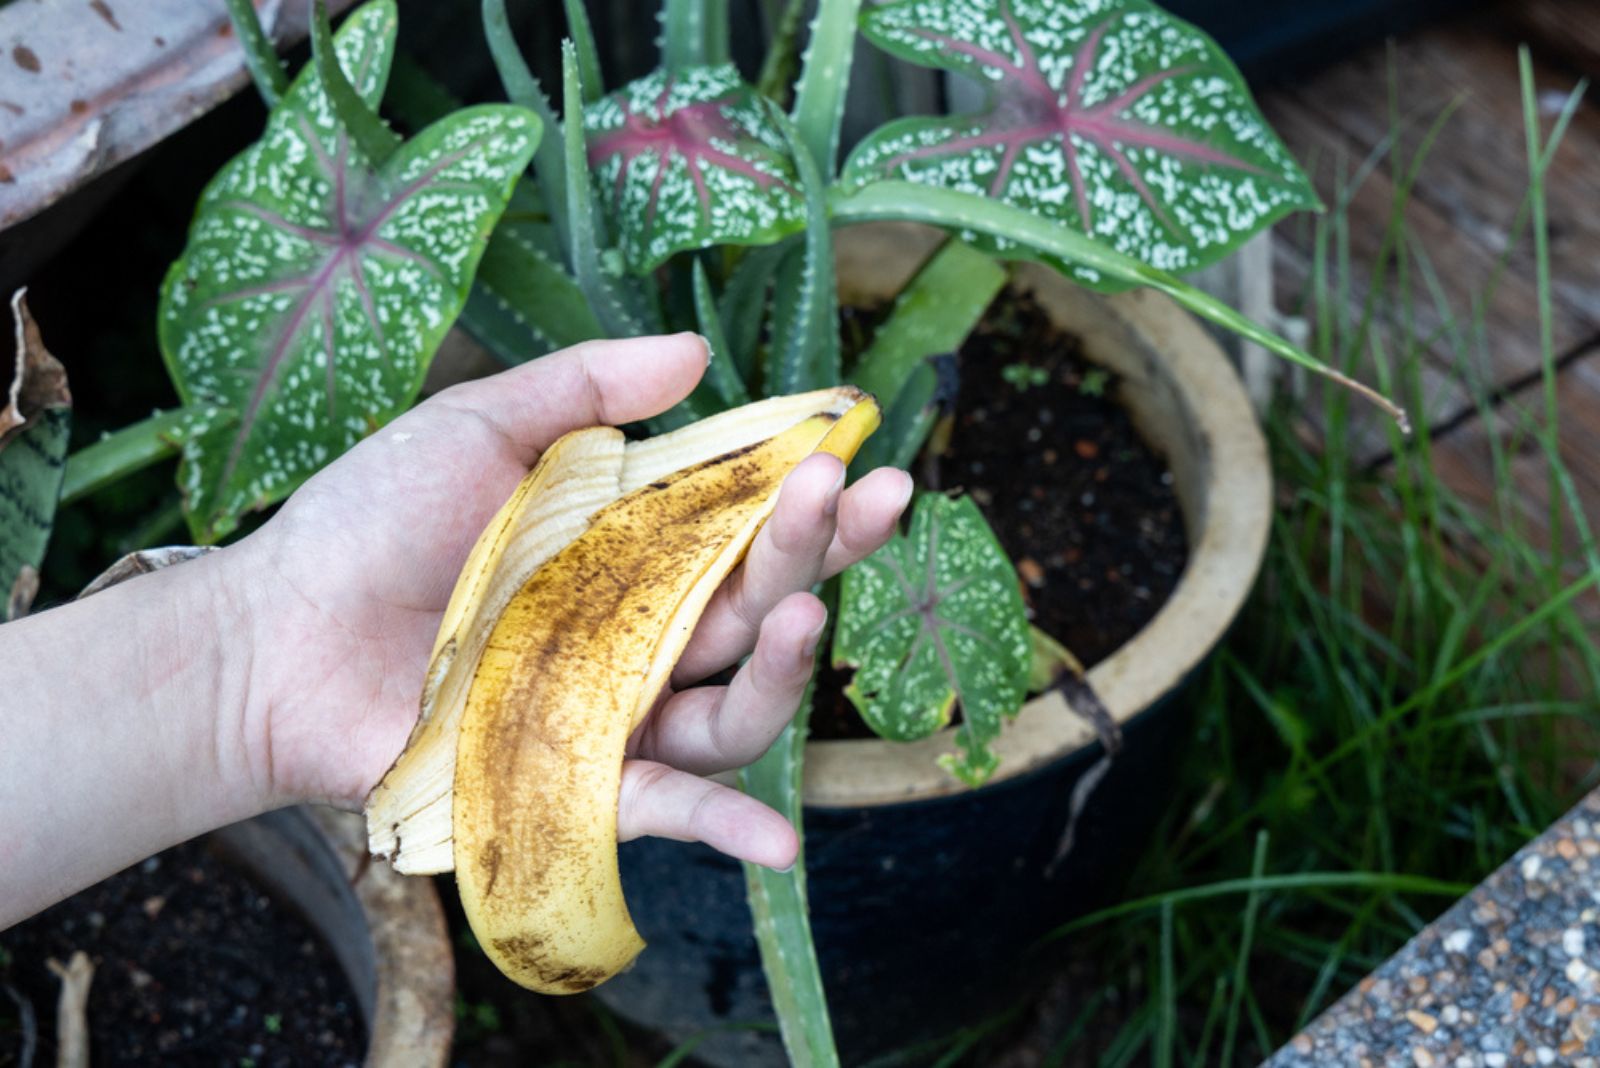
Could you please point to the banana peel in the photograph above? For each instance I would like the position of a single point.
(561, 634)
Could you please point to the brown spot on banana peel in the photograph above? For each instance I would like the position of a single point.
(561, 685)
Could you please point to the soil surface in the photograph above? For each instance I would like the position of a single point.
(194, 965)
(1084, 507)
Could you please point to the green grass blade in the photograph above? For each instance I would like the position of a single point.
(1167, 1024)
(681, 1053)
(1230, 1028)
(260, 58)
(1311, 880)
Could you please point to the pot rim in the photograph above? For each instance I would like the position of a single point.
(1227, 541)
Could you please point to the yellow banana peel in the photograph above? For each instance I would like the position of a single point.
(563, 629)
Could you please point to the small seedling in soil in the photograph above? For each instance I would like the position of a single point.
(1022, 375)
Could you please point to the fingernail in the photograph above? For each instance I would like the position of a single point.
(808, 646)
(783, 871)
(907, 489)
(705, 343)
(830, 503)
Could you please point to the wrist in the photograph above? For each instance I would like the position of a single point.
(224, 594)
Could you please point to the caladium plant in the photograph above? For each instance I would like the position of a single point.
(690, 159)
(318, 281)
(1115, 119)
(932, 619)
(325, 263)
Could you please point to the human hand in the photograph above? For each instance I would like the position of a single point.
(350, 579)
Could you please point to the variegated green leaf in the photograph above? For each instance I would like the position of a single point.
(689, 160)
(1108, 115)
(315, 287)
(933, 619)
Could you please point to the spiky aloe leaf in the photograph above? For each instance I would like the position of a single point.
(933, 619)
(779, 907)
(825, 80)
(316, 287)
(691, 159)
(805, 309)
(1115, 118)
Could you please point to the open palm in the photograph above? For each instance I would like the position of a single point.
(359, 565)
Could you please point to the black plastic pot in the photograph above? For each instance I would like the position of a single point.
(928, 899)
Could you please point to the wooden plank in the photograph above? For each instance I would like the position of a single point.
(1464, 458)
(1564, 31)
(1462, 207)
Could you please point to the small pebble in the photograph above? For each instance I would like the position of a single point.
(1572, 941)
(1458, 941)
(1422, 1021)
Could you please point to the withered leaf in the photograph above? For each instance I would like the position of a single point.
(38, 381)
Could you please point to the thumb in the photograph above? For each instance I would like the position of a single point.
(591, 384)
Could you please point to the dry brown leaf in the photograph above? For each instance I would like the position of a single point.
(38, 382)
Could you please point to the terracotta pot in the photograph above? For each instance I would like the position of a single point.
(387, 932)
(926, 896)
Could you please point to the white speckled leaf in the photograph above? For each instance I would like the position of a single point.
(688, 160)
(315, 288)
(1108, 115)
(932, 619)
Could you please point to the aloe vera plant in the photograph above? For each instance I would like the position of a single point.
(1118, 145)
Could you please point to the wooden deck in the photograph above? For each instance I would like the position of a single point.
(1460, 215)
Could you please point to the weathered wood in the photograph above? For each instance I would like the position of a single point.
(1459, 216)
(1462, 208)
(84, 86)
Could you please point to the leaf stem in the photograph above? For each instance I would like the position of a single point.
(260, 58)
(120, 454)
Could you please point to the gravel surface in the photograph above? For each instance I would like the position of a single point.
(1510, 975)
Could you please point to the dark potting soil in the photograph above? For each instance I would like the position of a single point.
(1083, 506)
(194, 965)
